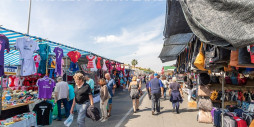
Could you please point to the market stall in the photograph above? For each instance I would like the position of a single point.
(28, 69)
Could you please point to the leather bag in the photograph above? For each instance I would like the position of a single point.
(205, 117)
(205, 104)
(234, 79)
(204, 79)
(234, 58)
(200, 59)
(204, 91)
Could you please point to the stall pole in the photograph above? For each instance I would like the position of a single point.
(66, 69)
(47, 61)
(223, 74)
(1, 92)
(29, 15)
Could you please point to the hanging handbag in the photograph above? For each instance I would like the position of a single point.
(200, 60)
(234, 58)
(244, 56)
(204, 79)
(234, 79)
(205, 117)
(204, 91)
(214, 95)
(205, 104)
(196, 48)
(241, 79)
(227, 80)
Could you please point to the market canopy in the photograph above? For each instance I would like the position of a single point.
(174, 45)
(12, 58)
(227, 23)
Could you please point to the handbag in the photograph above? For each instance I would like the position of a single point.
(214, 95)
(228, 80)
(204, 79)
(204, 91)
(205, 104)
(234, 79)
(252, 53)
(205, 117)
(241, 79)
(234, 58)
(200, 60)
(244, 56)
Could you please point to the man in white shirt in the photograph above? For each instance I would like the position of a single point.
(62, 96)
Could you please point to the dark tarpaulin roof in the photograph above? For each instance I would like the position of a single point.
(175, 22)
(224, 23)
(174, 45)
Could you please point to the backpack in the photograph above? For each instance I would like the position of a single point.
(93, 113)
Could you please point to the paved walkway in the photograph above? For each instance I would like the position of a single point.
(144, 118)
(123, 116)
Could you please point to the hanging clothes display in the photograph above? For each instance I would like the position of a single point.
(45, 86)
(59, 55)
(74, 67)
(90, 61)
(94, 65)
(11, 81)
(4, 44)
(104, 67)
(37, 60)
(74, 56)
(27, 47)
(52, 66)
(43, 52)
(98, 62)
(118, 66)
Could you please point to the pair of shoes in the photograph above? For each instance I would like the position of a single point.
(153, 113)
(109, 115)
(104, 120)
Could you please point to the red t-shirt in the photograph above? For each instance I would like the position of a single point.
(74, 55)
(240, 122)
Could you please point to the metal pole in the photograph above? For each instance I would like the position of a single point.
(29, 15)
(223, 74)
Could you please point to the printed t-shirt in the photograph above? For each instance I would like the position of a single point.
(74, 56)
(59, 55)
(4, 44)
(27, 47)
(43, 112)
(44, 51)
(45, 86)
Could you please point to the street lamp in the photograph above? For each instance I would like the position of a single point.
(29, 15)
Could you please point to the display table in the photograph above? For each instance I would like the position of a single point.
(14, 110)
(17, 105)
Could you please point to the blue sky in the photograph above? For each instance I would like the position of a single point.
(119, 29)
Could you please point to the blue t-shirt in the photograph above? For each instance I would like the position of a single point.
(71, 92)
(110, 85)
(90, 82)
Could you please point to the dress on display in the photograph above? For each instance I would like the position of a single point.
(104, 67)
(90, 61)
(94, 65)
(99, 63)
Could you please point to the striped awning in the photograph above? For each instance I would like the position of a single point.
(12, 58)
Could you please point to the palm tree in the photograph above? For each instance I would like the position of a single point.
(134, 62)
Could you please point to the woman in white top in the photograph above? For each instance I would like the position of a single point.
(165, 85)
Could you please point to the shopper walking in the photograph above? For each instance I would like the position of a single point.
(176, 95)
(134, 88)
(147, 87)
(83, 94)
(90, 82)
(104, 94)
(165, 85)
(62, 96)
(111, 84)
(190, 87)
(71, 96)
(156, 90)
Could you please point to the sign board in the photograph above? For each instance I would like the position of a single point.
(10, 70)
